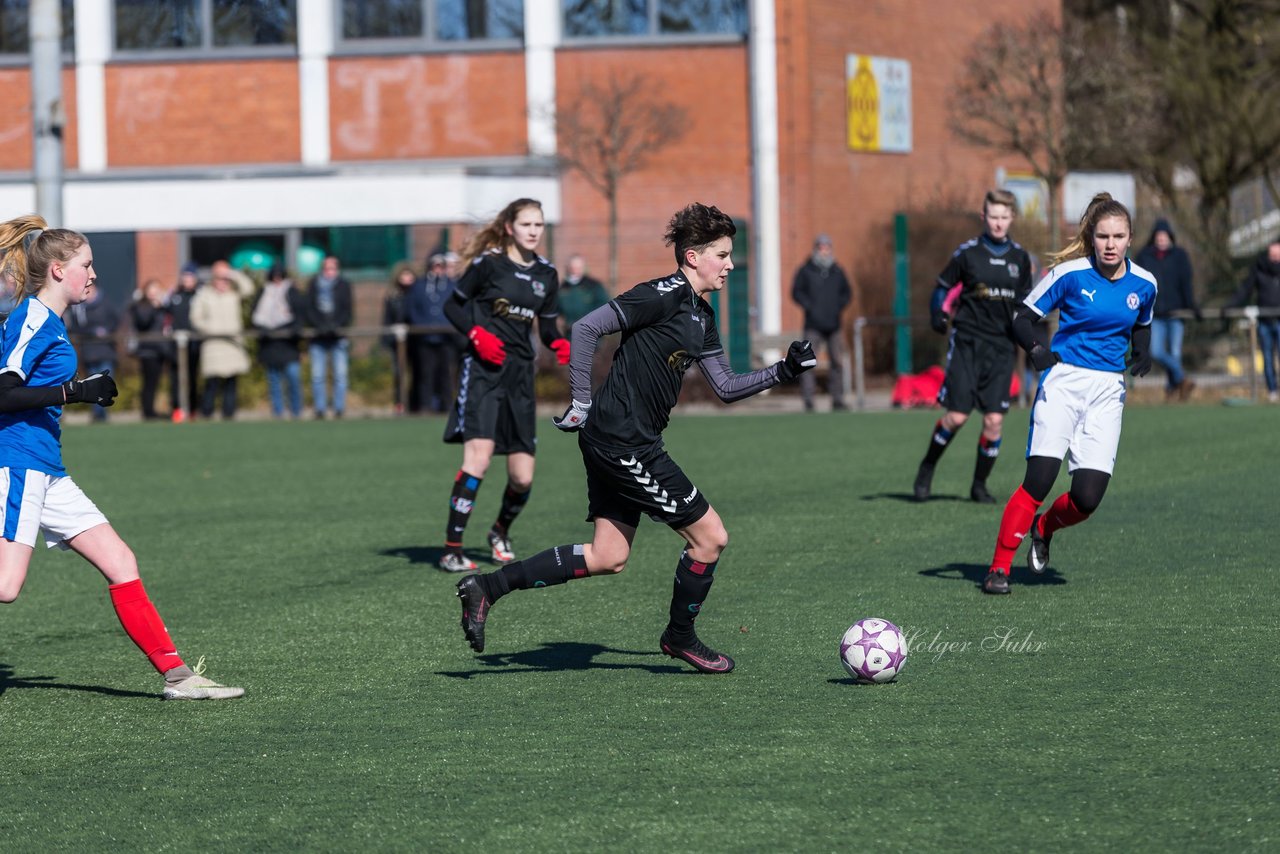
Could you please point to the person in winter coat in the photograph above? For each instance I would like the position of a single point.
(395, 310)
(1171, 265)
(155, 354)
(436, 351)
(178, 307)
(93, 325)
(329, 312)
(822, 289)
(1262, 288)
(216, 314)
(277, 314)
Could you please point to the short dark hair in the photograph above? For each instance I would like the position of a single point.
(696, 227)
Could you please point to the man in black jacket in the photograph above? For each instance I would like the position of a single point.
(329, 312)
(1262, 288)
(1171, 266)
(822, 289)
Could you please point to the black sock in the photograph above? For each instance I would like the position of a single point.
(512, 503)
(545, 569)
(693, 583)
(988, 450)
(938, 443)
(461, 502)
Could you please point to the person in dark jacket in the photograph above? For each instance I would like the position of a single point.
(822, 289)
(179, 309)
(437, 351)
(395, 310)
(155, 354)
(93, 325)
(1171, 265)
(277, 314)
(329, 312)
(1262, 288)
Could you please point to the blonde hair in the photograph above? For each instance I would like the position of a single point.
(1101, 207)
(28, 247)
(494, 235)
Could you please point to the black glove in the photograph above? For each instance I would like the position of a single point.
(1042, 358)
(1139, 363)
(574, 417)
(938, 320)
(800, 358)
(98, 388)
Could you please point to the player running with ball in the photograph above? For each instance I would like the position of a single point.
(667, 326)
(1105, 307)
(37, 379)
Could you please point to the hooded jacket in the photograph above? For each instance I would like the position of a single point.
(1172, 270)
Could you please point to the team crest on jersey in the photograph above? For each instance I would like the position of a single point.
(679, 361)
(539, 289)
(1013, 270)
(1132, 301)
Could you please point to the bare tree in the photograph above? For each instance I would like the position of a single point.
(612, 127)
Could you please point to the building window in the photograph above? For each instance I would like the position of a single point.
(596, 18)
(15, 27)
(204, 24)
(433, 20)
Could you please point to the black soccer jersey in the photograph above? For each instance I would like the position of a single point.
(505, 298)
(666, 327)
(996, 277)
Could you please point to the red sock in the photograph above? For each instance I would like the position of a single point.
(143, 625)
(1062, 514)
(1014, 525)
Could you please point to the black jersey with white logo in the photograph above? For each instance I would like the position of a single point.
(505, 298)
(666, 327)
(996, 277)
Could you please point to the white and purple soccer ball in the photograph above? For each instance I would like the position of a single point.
(873, 650)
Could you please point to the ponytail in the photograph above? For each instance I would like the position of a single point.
(1100, 207)
(28, 247)
(494, 235)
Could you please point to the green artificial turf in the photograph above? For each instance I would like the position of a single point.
(1126, 700)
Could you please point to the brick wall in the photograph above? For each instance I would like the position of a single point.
(202, 113)
(15, 128)
(465, 105)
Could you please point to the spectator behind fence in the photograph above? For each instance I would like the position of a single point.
(395, 310)
(329, 312)
(93, 324)
(217, 314)
(1262, 288)
(277, 313)
(822, 289)
(580, 293)
(155, 354)
(1171, 266)
(179, 308)
(436, 351)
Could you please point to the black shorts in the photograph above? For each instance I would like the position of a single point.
(495, 403)
(622, 485)
(978, 376)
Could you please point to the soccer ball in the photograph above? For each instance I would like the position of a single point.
(873, 650)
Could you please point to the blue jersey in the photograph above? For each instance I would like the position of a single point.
(33, 345)
(1096, 315)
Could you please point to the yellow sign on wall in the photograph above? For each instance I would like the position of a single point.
(878, 92)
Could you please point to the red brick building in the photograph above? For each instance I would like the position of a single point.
(386, 127)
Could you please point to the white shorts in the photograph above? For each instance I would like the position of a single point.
(35, 501)
(1078, 410)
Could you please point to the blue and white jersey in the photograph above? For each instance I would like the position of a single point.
(1096, 314)
(34, 345)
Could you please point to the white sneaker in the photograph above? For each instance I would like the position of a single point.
(454, 562)
(502, 551)
(197, 687)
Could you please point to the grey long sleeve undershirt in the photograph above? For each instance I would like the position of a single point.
(727, 385)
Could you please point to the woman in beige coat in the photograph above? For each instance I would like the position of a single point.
(217, 314)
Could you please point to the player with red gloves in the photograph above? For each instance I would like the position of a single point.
(505, 287)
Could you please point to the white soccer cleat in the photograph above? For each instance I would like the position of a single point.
(197, 687)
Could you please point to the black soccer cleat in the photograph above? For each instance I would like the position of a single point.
(996, 582)
(697, 653)
(978, 492)
(924, 483)
(475, 609)
(1038, 554)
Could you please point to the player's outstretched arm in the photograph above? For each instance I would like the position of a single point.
(731, 387)
(17, 397)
